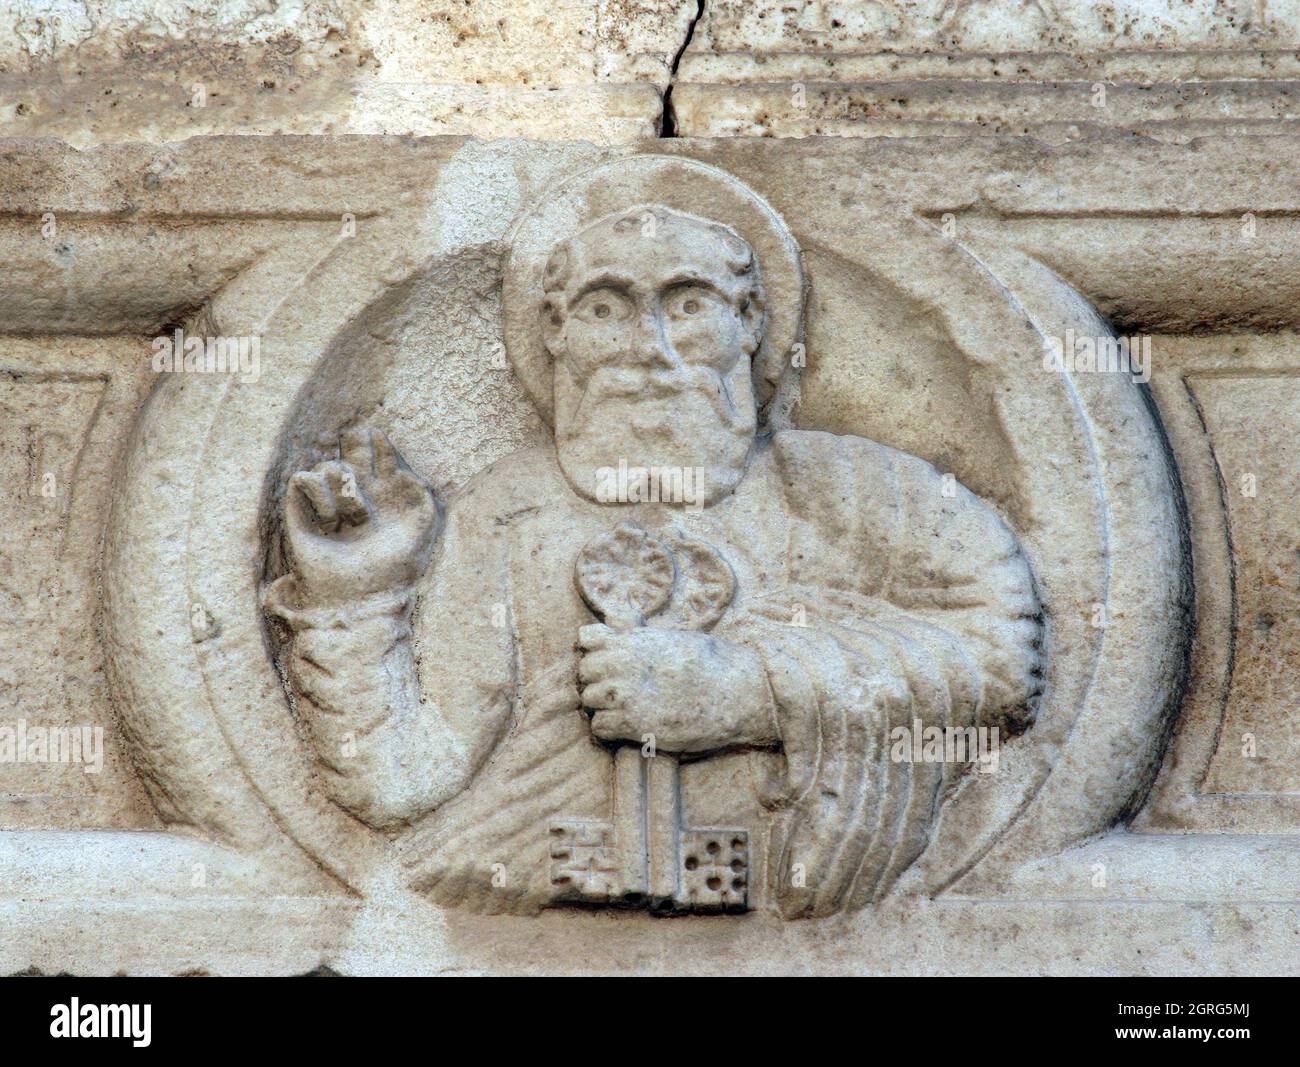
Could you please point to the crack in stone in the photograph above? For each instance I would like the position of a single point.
(667, 122)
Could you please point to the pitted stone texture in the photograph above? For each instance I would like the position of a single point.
(1058, 70)
(101, 72)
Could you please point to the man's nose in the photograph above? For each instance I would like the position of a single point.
(650, 344)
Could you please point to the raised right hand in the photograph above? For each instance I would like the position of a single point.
(359, 525)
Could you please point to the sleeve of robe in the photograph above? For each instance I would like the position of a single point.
(392, 746)
(910, 602)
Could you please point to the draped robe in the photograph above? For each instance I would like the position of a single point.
(877, 594)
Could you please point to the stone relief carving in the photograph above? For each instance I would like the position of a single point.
(624, 519)
(634, 623)
(680, 603)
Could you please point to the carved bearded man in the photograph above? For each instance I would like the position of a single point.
(462, 697)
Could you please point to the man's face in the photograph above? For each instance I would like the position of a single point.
(652, 335)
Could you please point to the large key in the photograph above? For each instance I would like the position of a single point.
(629, 578)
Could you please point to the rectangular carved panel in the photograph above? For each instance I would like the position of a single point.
(66, 406)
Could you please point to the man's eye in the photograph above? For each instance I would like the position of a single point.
(604, 306)
(687, 302)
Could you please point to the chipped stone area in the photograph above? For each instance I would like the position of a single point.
(96, 72)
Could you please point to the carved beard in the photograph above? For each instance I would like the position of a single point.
(691, 419)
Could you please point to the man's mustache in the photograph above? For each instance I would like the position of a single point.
(622, 383)
(628, 381)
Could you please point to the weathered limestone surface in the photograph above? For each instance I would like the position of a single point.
(601, 70)
(581, 552)
(397, 289)
(1056, 69)
(110, 71)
